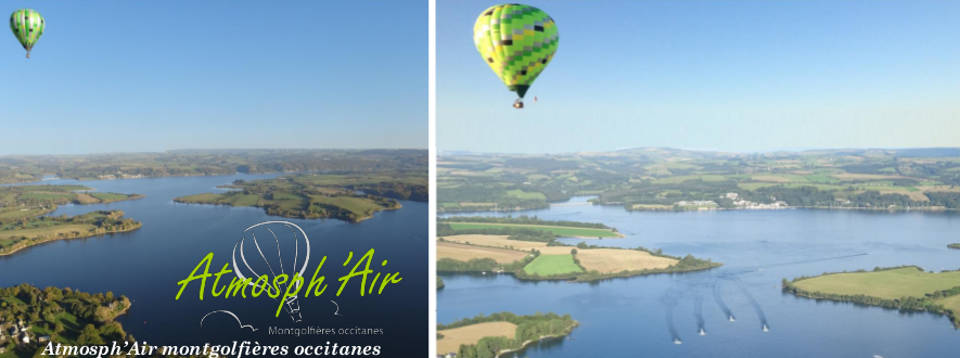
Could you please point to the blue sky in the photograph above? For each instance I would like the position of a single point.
(121, 76)
(714, 75)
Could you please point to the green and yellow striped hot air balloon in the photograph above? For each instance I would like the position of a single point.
(517, 41)
(27, 25)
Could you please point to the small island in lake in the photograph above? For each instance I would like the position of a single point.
(500, 333)
(954, 246)
(528, 249)
(907, 288)
(352, 198)
(31, 317)
(23, 220)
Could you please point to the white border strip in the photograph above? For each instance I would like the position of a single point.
(432, 211)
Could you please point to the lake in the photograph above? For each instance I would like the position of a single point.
(645, 316)
(146, 265)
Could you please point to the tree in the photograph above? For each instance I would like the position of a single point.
(89, 335)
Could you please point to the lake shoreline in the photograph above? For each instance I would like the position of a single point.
(16, 248)
(925, 303)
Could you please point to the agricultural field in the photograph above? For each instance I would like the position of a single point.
(558, 260)
(616, 260)
(471, 334)
(887, 284)
(464, 252)
(500, 334)
(504, 242)
(951, 303)
(671, 179)
(552, 265)
(560, 231)
(352, 198)
(906, 288)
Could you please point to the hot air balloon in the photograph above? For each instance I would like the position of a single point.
(27, 25)
(517, 41)
(266, 259)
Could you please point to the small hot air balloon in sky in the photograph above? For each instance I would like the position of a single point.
(517, 41)
(27, 25)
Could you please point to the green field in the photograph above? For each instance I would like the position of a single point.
(887, 284)
(526, 195)
(951, 303)
(551, 265)
(561, 231)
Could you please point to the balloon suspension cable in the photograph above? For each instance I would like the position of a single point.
(518, 104)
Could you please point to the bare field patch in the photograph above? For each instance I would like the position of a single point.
(771, 178)
(502, 241)
(617, 260)
(856, 176)
(453, 338)
(914, 195)
(84, 198)
(463, 252)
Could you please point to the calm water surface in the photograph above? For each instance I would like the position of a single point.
(146, 264)
(645, 316)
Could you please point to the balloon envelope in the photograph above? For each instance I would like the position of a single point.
(517, 41)
(27, 25)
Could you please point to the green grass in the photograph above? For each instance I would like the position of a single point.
(358, 205)
(109, 197)
(888, 284)
(550, 265)
(47, 196)
(562, 231)
(200, 198)
(951, 303)
(244, 200)
(526, 195)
